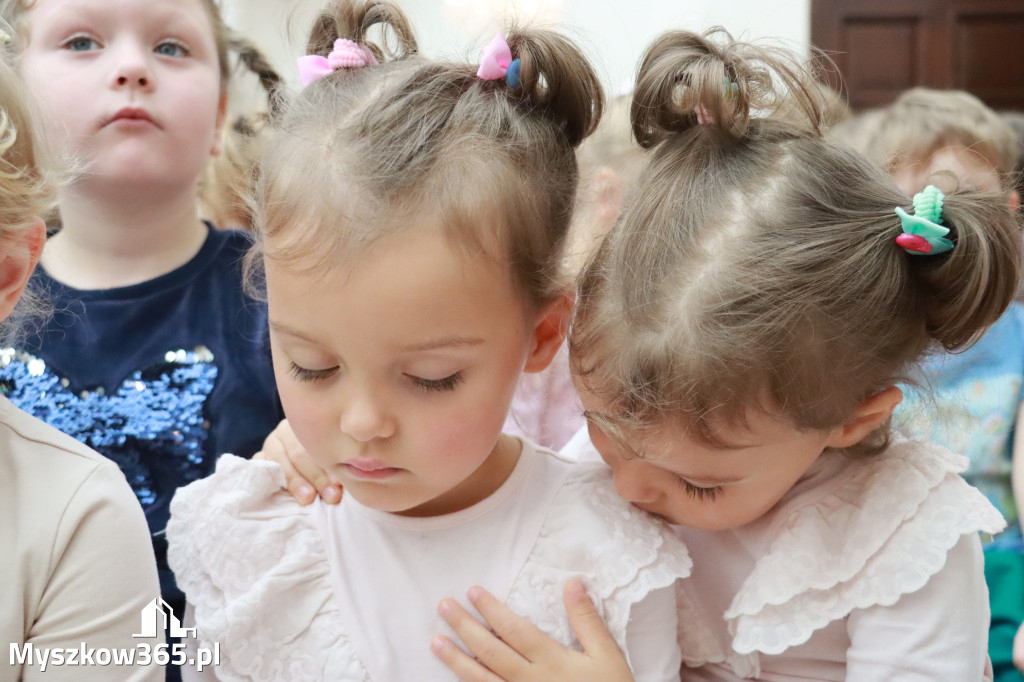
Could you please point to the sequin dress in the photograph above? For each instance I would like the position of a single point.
(160, 377)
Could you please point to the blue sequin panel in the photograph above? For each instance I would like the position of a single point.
(152, 426)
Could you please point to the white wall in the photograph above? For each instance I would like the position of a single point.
(612, 33)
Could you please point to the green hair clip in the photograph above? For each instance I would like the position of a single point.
(923, 232)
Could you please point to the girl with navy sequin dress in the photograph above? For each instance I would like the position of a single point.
(410, 247)
(155, 357)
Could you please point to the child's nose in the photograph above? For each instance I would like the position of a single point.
(132, 70)
(364, 419)
(633, 483)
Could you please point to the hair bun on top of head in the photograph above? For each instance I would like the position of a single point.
(555, 77)
(689, 79)
(353, 20)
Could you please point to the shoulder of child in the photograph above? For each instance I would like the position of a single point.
(882, 531)
(252, 565)
(621, 553)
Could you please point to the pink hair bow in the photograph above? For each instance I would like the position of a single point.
(345, 55)
(496, 62)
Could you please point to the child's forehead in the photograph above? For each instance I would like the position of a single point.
(970, 168)
(124, 11)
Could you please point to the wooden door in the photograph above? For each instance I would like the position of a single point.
(882, 47)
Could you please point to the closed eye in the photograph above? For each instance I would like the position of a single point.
(708, 494)
(303, 374)
(448, 383)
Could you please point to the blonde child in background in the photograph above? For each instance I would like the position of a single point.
(925, 131)
(154, 356)
(77, 568)
(737, 345)
(411, 219)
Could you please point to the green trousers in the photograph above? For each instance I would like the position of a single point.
(1004, 573)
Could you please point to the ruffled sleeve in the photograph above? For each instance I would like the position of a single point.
(882, 533)
(253, 567)
(621, 553)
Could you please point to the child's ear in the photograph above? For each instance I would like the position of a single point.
(222, 116)
(548, 332)
(19, 253)
(1014, 200)
(868, 416)
(609, 192)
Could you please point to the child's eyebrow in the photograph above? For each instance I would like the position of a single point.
(290, 331)
(445, 342)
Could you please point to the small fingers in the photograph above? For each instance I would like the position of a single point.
(328, 489)
(590, 630)
(468, 669)
(304, 477)
(519, 633)
(299, 487)
(487, 647)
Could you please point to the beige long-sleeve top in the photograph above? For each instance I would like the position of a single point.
(76, 560)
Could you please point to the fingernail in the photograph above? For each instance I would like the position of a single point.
(475, 593)
(445, 607)
(576, 588)
(437, 644)
(332, 494)
(304, 491)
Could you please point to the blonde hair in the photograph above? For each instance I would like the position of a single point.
(25, 189)
(366, 152)
(13, 12)
(227, 183)
(922, 121)
(755, 266)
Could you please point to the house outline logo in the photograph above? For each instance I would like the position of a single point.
(151, 626)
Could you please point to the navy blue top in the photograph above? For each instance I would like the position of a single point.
(160, 377)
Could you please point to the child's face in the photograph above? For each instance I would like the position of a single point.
(680, 478)
(396, 374)
(133, 86)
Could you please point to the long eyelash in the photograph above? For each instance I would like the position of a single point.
(699, 493)
(303, 374)
(447, 384)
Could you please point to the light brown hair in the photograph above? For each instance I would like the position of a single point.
(755, 265)
(367, 152)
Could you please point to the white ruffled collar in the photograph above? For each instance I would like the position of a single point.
(855, 534)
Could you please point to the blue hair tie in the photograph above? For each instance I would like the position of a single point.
(512, 75)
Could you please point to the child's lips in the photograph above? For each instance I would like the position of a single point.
(370, 469)
(131, 116)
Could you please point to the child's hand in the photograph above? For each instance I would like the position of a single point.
(519, 652)
(305, 477)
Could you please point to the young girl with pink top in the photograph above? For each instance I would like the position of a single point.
(737, 345)
(411, 216)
